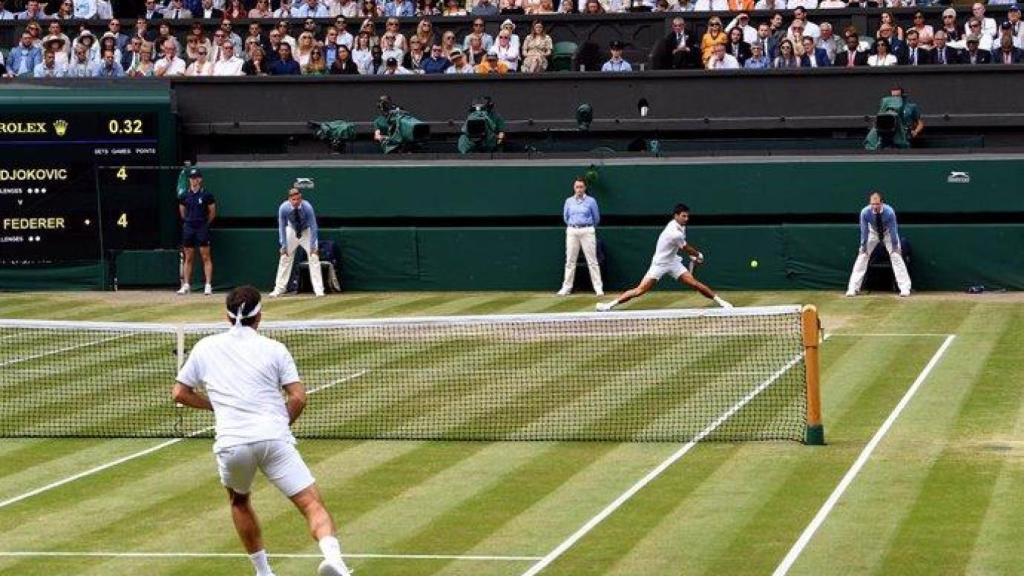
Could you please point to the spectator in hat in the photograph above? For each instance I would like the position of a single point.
(506, 51)
(57, 44)
(974, 55)
(459, 63)
(492, 65)
(1006, 53)
(392, 68)
(742, 21)
(616, 63)
(954, 36)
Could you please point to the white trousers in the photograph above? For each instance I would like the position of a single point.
(899, 268)
(586, 238)
(284, 265)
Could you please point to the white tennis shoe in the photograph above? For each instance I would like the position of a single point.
(185, 289)
(274, 294)
(563, 292)
(328, 568)
(208, 290)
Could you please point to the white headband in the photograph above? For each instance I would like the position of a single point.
(239, 316)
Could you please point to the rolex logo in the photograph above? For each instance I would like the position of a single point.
(60, 127)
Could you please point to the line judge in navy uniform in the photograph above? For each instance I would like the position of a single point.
(197, 209)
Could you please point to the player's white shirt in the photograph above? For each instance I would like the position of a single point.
(243, 373)
(670, 242)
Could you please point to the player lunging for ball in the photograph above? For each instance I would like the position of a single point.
(244, 374)
(667, 260)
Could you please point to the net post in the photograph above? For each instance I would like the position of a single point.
(811, 328)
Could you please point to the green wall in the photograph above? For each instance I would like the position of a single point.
(945, 257)
(713, 187)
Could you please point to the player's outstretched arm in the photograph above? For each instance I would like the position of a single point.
(295, 400)
(188, 397)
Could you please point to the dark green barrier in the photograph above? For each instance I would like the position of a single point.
(945, 257)
(633, 188)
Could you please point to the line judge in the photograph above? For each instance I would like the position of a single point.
(581, 218)
(296, 226)
(878, 224)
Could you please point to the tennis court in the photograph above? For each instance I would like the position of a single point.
(922, 411)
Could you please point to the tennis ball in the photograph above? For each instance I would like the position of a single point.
(753, 263)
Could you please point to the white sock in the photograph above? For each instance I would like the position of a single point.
(330, 548)
(259, 561)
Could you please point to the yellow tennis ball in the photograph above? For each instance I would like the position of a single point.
(753, 263)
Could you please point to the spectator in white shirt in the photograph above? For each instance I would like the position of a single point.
(505, 50)
(797, 4)
(344, 36)
(988, 25)
(810, 28)
(49, 68)
(882, 57)
(459, 63)
(743, 22)
(4, 13)
(712, 6)
(202, 66)
(169, 64)
(721, 60)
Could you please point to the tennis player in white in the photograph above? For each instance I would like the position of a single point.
(244, 374)
(667, 261)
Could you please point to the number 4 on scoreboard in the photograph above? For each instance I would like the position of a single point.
(122, 173)
(122, 221)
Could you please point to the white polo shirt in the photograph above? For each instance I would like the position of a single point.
(670, 242)
(243, 373)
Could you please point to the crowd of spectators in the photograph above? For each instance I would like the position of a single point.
(312, 37)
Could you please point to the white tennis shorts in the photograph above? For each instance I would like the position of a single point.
(279, 461)
(674, 268)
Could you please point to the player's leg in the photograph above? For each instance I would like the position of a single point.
(640, 289)
(316, 277)
(286, 470)
(237, 468)
(186, 276)
(588, 240)
(572, 252)
(687, 279)
(860, 266)
(284, 263)
(899, 267)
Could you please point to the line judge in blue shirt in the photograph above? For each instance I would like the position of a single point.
(581, 219)
(878, 224)
(296, 226)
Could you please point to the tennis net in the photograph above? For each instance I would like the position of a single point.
(626, 376)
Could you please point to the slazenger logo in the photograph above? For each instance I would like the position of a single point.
(958, 178)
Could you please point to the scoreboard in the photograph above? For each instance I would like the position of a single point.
(76, 184)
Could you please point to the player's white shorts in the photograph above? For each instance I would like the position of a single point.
(279, 461)
(674, 268)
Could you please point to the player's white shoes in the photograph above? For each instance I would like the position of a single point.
(905, 294)
(563, 292)
(850, 293)
(598, 293)
(604, 306)
(274, 293)
(185, 289)
(208, 290)
(328, 568)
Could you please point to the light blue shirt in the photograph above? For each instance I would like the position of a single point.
(486, 41)
(286, 219)
(100, 70)
(581, 211)
(619, 66)
(304, 11)
(867, 222)
(757, 63)
(22, 61)
(399, 9)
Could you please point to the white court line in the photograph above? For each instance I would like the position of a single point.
(140, 454)
(471, 557)
(823, 513)
(609, 509)
(68, 349)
